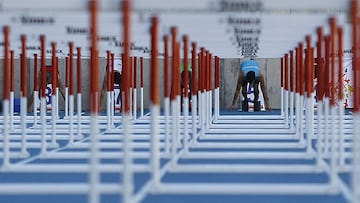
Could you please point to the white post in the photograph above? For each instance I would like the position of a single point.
(341, 134)
(127, 159)
(326, 126)
(142, 102)
(112, 108)
(334, 140)
(79, 134)
(207, 109)
(6, 139)
(286, 106)
(297, 115)
(217, 104)
(23, 109)
(167, 124)
(301, 115)
(66, 102)
(309, 122)
(175, 130)
(282, 101)
(210, 111)
(71, 121)
(135, 103)
(94, 175)
(320, 135)
(200, 113)
(155, 150)
(194, 118)
(53, 123)
(204, 109)
(177, 118)
(108, 109)
(43, 124)
(11, 112)
(186, 121)
(35, 104)
(57, 104)
(291, 110)
(131, 102)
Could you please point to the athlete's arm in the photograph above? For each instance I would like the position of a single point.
(237, 91)
(264, 91)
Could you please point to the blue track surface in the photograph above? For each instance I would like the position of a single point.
(141, 179)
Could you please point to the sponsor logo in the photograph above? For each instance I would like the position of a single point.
(238, 5)
(243, 21)
(32, 47)
(106, 38)
(36, 20)
(76, 30)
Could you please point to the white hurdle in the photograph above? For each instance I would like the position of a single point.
(325, 145)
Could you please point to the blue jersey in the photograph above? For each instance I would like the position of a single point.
(250, 65)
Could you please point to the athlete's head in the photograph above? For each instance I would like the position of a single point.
(250, 76)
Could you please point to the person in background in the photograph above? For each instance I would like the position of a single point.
(117, 80)
(250, 73)
(48, 81)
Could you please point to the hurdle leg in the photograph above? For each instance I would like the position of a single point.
(71, 120)
(112, 108)
(127, 159)
(203, 112)
(326, 126)
(79, 133)
(11, 112)
(23, 108)
(57, 105)
(135, 103)
(177, 118)
(141, 102)
(217, 105)
(175, 130)
(282, 99)
(43, 125)
(341, 135)
(35, 105)
(131, 102)
(66, 116)
(155, 141)
(286, 109)
(108, 109)
(167, 124)
(320, 135)
(200, 114)
(298, 119)
(208, 110)
(291, 111)
(6, 138)
(309, 123)
(334, 151)
(53, 143)
(194, 119)
(94, 176)
(186, 122)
